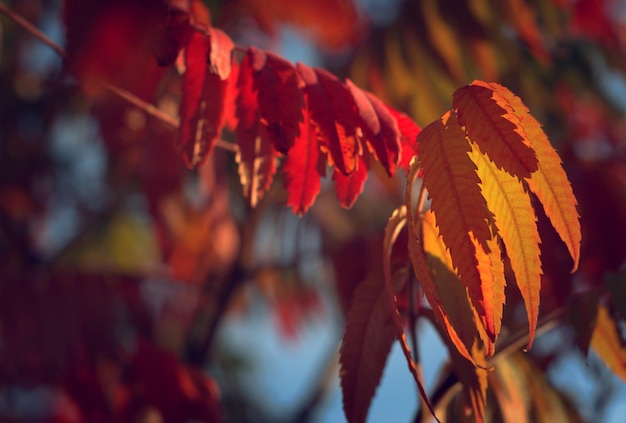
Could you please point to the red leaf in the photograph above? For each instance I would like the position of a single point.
(334, 112)
(172, 37)
(301, 168)
(256, 156)
(220, 53)
(351, 186)
(380, 128)
(409, 131)
(370, 331)
(202, 105)
(280, 99)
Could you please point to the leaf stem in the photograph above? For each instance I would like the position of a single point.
(146, 107)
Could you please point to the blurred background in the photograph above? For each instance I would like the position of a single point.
(135, 290)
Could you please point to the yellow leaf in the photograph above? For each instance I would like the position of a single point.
(549, 182)
(462, 215)
(514, 217)
(608, 343)
(490, 122)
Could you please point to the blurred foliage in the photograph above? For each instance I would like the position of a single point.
(115, 260)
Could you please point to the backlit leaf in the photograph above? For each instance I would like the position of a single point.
(549, 182)
(462, 215)
(515, 219)
(334, 112)
(380, 128)
(490, 122)
(608, 343)
(256, 155)
(280, 98)
(202, 104)
(302, 178)
(350, 187)
(220, 52)
(454, 309)
(422, 270)
(409, 130)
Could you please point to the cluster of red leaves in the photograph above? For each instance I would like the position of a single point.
(305, 115)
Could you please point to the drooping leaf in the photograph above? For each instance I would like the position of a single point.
(370, 332)
(409, 131)
(220, 52)
(549, 182)
(508, 384)
(280, 98)
(462, 215)
(608, 343)
(454, 309)
(490, 122)
(256, 156)
(202, 104)
(380, 128)
(302, 177)
(350, 187)
(515, 219)
(172, 37)
(422, 271)
(334, 112)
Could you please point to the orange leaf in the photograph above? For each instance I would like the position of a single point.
(458, 316)
(490, 122)
(422, 269)
(452, 183)
(515, 220)
(466, 336)
(608, 343)
(549, 182)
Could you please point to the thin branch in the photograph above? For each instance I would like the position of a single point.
(33, 30)
(421, 199)
(146, 107)
(413, 315)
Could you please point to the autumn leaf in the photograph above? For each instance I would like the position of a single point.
(349, 187)
(301, 168)
(379, 126)
(608, 342)
(422, 271)
(549, 182)
(256, 156)
(202, 104)
(409, 130)
(491, 123)
(370, 332)
(220, 53)
(397, 222)
(280, 97)
(333, 110)
(462, 215)
(466, 338)
(515, 220)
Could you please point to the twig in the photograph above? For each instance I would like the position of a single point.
(413, 315)
(148, 108)
(33, 30)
